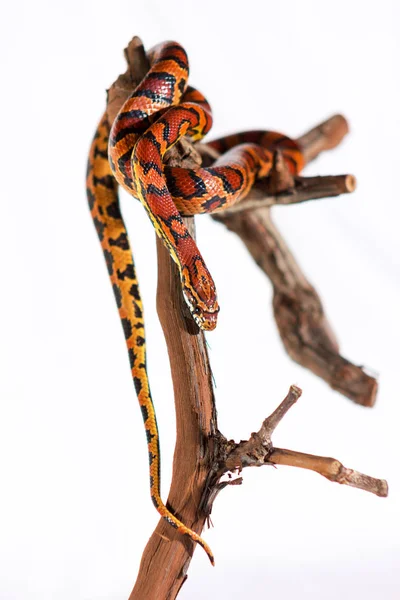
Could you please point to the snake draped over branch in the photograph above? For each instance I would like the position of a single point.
(129, 152)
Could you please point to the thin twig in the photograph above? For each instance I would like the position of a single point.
(252, 452)
(303, 190)
(330, 468)
(259, 451)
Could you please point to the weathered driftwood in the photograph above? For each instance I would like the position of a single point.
(202, 453)
(304, 329)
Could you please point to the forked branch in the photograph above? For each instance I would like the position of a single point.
(258, 451)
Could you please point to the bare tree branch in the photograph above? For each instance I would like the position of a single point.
(330, 468)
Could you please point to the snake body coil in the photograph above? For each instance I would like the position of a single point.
(158, 113)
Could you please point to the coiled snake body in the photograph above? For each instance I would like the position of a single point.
(158, 113)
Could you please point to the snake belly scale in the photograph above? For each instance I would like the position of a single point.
(130, 152)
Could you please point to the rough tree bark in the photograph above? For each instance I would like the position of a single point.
(202, 453)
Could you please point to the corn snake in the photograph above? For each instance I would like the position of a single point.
(161, 110)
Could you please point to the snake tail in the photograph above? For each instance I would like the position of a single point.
(102, 192)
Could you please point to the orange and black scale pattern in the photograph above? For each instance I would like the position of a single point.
(168, 193)
(161, 110)
(102, 192)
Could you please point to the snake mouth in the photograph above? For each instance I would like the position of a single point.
(208, 321)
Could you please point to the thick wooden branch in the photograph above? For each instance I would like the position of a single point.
(167, 555)
(304, 329)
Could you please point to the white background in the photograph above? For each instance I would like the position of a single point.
(75, 511)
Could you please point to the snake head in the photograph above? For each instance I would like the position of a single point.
(205, 320)
(200, 295)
